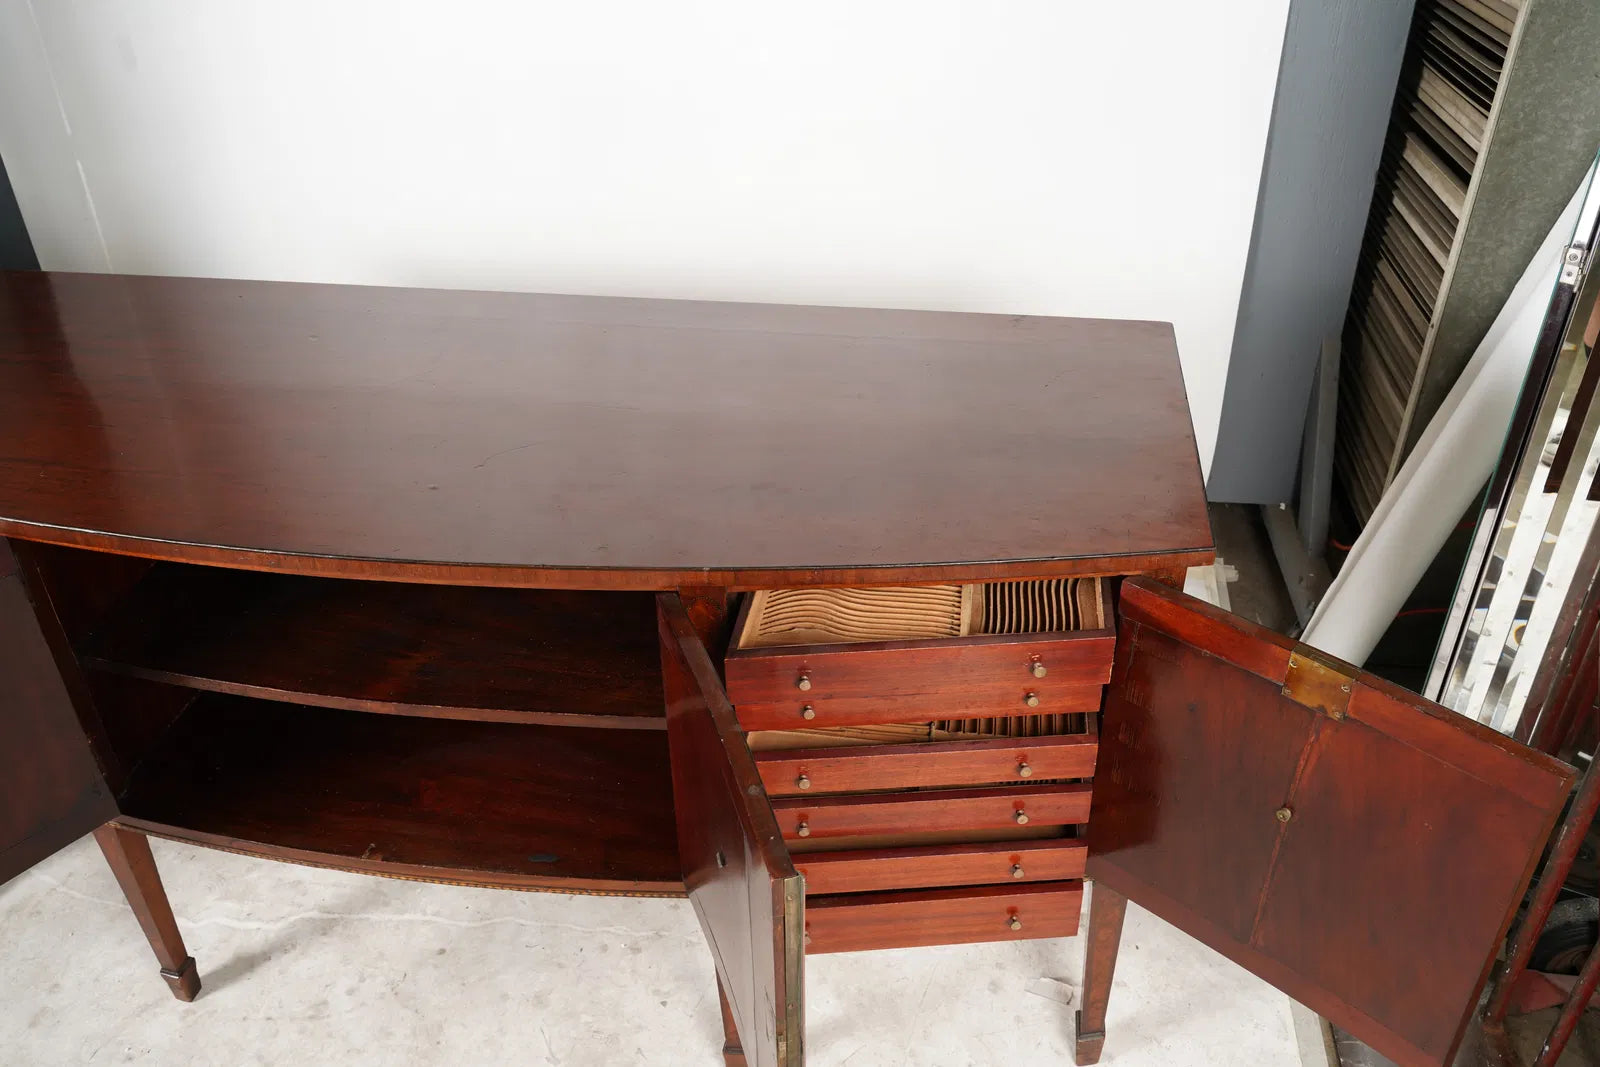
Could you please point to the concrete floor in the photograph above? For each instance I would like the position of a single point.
(302, 965)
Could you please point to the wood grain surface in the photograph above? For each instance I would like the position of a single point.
(990, 863)
(860, 921)
(997, 701)
(932, 809)
(746, 893)
(945, 671)
(52, 792)
(427, 434)
(932, 763)
(1359, 848)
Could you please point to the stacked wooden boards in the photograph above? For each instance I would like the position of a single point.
(1492, 127)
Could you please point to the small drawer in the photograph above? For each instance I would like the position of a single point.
(809, 658)
(936, 809)
(908, 681)
(795, 772)
(994, 863)
(942, 917)
(868, 711)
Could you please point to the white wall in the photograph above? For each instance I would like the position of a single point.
(1049, 156)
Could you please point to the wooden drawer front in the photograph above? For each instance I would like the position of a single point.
(866, 711)
(1001, 862)
(942, 917)
(995, 671)
(795, 772)
(946, 809)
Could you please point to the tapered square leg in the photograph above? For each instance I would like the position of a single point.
(1107, 908)
(185, 981)
(732, 1050)
(128, 853)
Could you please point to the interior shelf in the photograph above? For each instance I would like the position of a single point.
(502, 655)
(537, 807)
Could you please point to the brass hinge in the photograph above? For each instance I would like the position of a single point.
(1316, 683)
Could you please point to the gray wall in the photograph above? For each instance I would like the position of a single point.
(1341, 60)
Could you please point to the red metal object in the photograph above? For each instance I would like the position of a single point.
(1582, 676)
(1562, 854)
(1567, 1021)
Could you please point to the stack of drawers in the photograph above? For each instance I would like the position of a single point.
(931, 789)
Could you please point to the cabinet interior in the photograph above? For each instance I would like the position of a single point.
(440, 729)
(518, 733)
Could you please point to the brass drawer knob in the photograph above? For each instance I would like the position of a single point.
(804, 829)
(1032, 700)
(1016, 870)
(1037, 669)
(803, 683)
(802, 782)
(1024, 771)
(1022, 818)
(1015, 922)
(1284, 814)
(808, 712)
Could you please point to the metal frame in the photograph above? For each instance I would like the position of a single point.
(1528, 535)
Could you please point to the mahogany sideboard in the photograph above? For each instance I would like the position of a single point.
(443, 585)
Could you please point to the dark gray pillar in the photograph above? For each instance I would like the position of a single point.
(1336, 83)
(16, 250)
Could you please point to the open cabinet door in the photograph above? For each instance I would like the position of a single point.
(51, 790)
(1358, 847)
(745, 890)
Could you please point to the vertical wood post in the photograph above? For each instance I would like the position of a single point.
(1107, 908)
(732, 1050)
(128, 853)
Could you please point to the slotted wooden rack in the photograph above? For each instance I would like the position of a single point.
(802, 616)
(1494, 123)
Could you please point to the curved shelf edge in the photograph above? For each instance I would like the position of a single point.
(606, 887)
(381, 707)
(522, 656)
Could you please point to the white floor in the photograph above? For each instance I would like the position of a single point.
(301, 965)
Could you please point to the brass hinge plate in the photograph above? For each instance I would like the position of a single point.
(1317, 684)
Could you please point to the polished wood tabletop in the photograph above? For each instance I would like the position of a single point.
(425, 433)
